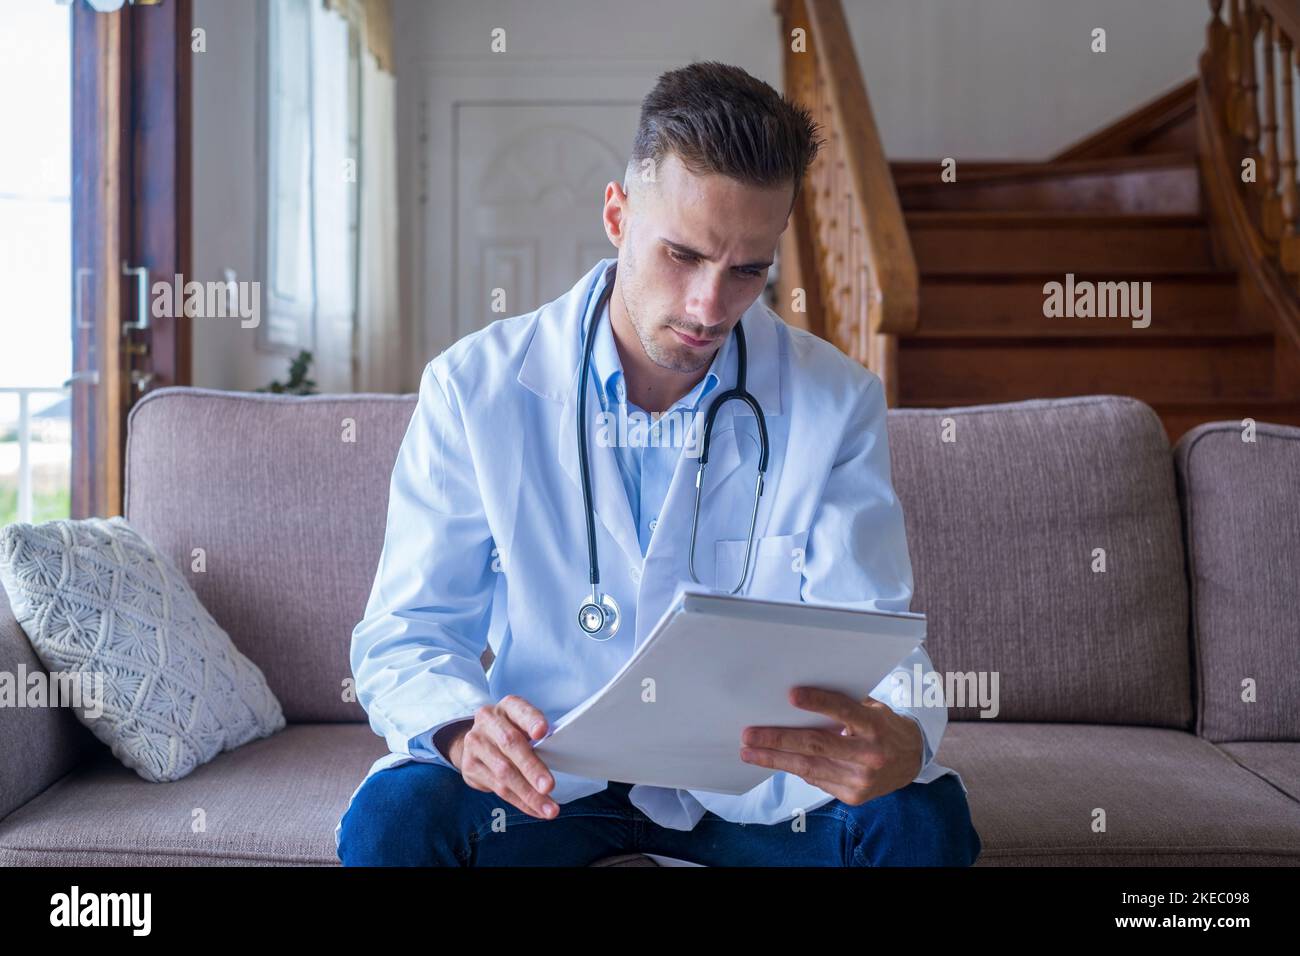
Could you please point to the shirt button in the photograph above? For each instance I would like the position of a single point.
(654, 523)
(635, 572)
(622, 392)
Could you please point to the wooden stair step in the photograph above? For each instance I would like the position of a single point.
(963, 371)
(913, 172)
(980, 242)
(1012, 304)
(1015, 218)
(1168, 183)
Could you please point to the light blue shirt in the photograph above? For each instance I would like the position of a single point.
(647, 466)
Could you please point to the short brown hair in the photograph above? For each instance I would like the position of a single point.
(718, 119)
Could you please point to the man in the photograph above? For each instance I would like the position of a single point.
(486, 538)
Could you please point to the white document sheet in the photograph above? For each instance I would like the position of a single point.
(713, 665)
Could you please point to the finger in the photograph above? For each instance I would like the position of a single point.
(521, 802)
(531, 720)
(811, 741)
(816, 770)
(504, 792)
(852, 713)
(506, 776)
(512, 740)
(473, 774)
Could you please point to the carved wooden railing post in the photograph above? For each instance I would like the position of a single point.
(1249, 82)
(1270, 218)
(1212, 58)
(856, 250)
(1256, 217)
(1290, 200)
(1233, 73)
(1269, 125)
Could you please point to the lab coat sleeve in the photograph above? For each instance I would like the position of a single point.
(416, 653)
(857, 556)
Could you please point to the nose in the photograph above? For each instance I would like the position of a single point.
(705, 304)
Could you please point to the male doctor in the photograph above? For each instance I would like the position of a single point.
(486, 538)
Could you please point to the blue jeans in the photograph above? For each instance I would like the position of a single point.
(424, 814)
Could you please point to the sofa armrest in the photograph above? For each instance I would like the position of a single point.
(38, 745)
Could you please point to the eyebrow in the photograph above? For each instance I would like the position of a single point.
(688, 251)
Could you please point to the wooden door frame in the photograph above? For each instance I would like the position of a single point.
(160, 146)
(131, 206)
(98, 56)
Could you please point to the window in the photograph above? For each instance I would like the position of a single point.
(311, 141)
(289, 262)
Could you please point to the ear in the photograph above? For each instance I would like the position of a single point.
(615, 214)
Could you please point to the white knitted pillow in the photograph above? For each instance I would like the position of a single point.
(95, 599)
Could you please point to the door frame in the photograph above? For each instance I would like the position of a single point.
(130, 208)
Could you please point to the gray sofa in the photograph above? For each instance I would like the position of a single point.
(1121, 691)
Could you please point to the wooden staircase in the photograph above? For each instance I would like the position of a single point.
(987, 244)
(1127, 204)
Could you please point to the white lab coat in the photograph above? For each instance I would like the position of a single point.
(486, 536)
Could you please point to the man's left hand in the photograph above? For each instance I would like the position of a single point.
(877, 752)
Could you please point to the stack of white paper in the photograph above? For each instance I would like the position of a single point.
(715, 664)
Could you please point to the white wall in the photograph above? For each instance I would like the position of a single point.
(602, 53)
(224, 191)
(975, 79)
(1015, 79)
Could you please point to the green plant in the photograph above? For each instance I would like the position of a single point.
(299, 383)
(46, 506)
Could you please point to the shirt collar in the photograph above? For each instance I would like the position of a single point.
(608, 367)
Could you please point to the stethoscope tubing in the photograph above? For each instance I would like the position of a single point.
(601, 610)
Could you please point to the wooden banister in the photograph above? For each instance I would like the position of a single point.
(1245, 117)
(848, 249)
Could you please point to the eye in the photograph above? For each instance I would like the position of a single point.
(680, 257)
(750, 273)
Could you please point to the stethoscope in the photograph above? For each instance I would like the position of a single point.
(599, 615)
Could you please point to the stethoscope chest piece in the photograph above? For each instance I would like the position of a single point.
(599, 618)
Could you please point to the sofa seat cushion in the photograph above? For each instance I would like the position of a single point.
(1278, 762)
(1170, 798)
(272, 801)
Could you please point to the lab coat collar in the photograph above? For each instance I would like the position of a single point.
(607, 366)
(550, 366)
(550, 369)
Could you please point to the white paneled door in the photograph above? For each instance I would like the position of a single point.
(512, 117)
(530, 181)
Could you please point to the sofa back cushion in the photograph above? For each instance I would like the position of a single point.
(287, 497)
(1241, 505)
(1010, 511)
(1002, 524)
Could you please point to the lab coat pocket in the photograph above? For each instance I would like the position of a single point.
(775, 567)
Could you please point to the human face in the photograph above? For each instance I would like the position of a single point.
(693, 256)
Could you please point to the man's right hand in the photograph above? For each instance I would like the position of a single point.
(494, 753)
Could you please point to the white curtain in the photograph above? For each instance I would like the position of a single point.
(331, 152)
(358, 327)
(379, 325)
